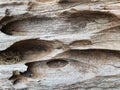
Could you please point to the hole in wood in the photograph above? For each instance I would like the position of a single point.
(69, 23)
(25, 51)
(74, 1)
(57, 63)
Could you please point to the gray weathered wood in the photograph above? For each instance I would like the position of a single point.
(66, 44)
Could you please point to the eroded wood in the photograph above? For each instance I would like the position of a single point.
(65, 44)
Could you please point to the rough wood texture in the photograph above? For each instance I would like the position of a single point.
(60, 44)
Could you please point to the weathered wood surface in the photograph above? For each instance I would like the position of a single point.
(67, 44)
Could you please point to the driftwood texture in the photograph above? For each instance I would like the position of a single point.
(60, 44)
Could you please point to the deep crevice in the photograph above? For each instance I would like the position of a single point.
(39, 25)
(92, 56)
(25, 51)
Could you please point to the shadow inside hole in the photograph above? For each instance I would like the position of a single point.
(73, 1)
(57, 63)
(26, 74)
